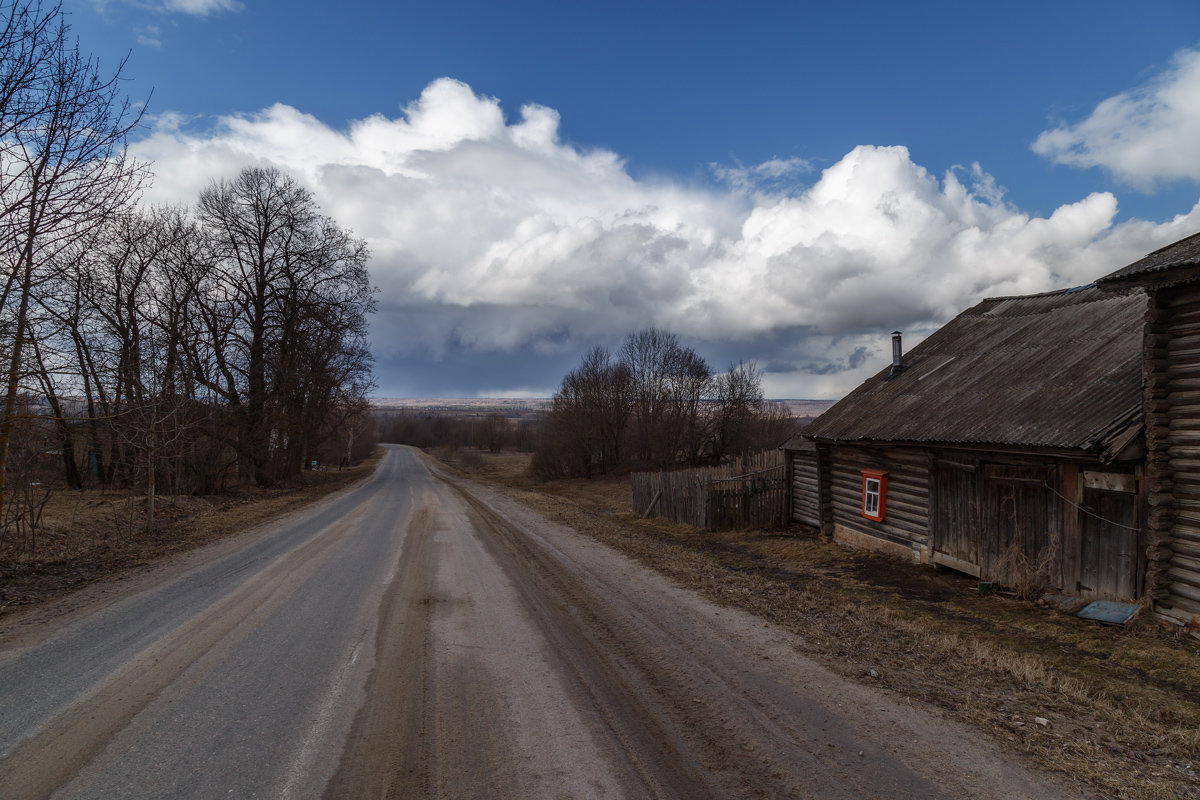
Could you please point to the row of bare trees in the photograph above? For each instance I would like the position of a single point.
(429, 429)
(654, 403)
(195, 347)
(234, 338)
(63, 171)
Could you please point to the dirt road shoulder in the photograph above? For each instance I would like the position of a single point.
(1115, 708)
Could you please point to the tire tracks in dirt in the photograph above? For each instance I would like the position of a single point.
(428, 728)
(599, 661)
(387, 748)
(693, 711)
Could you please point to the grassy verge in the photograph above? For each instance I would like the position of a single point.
(1116, 708)
(93, 535)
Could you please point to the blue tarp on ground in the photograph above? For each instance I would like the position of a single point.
(1109, 612)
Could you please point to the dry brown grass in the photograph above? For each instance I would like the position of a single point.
(94, 535)
(1116, 708)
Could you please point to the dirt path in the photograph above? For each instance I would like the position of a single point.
(421, 636)
(518, 659)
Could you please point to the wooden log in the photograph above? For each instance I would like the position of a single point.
(1185, 590)
(653, 503)
(1185, 548)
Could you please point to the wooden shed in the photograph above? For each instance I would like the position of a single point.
(1171, 360)
(1007, 445)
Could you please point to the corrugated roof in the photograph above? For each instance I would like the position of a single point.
(1061, 370)
(1185, 252)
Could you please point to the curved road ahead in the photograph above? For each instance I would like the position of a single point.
(417, 636)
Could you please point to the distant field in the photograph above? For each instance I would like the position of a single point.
(457, 403)
(472, 408)
(807, 408)
(512, 406)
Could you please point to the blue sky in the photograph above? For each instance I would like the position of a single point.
(784, 182)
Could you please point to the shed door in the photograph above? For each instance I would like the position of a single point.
(954, 530)
(1023, 534)
(1108, 564)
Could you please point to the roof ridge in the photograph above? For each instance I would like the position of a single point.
(1168, 246)
(1051, 293)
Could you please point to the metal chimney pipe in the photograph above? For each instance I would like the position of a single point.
(897, 352)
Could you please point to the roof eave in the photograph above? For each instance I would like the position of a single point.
(1152, 278)
(1090, 452)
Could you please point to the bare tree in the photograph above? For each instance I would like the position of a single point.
(645, 355)
(687, 381)
(657, 405)
(669, 383)
(588, 419)
(738, 401)
(494, 430)
(29, 36)
(63, 170)
(279, 310)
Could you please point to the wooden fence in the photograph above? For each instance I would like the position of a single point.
(749, 493)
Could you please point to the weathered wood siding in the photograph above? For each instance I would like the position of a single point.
(954, 532)
(749, 493)
(1175, 559)
(752, 501)
(1110, 563)
(906, 517)
(1003, 517)
(1021, 520)
(681, 496)
(806, 493)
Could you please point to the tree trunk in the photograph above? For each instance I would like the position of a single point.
(9, 419)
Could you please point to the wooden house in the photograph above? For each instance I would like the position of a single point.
(1170, 278)
(1008, 445)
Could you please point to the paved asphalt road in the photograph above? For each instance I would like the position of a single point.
(420, 636)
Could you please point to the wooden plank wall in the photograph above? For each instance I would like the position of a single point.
(954, 522)
(757, 500)
(906, 513)
(680, 496)
(1179, 589)
(806, 492)
(1012, 517)
(1109, 561)
(1021, 523)
(748, 493)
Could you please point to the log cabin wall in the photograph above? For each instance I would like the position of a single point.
(1174, 559)
(805, 481)
(1009, 518)
(906, 510)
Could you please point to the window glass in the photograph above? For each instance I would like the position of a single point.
(871, 497)
(874, 494)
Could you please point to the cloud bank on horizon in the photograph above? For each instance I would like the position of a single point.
(494, 236)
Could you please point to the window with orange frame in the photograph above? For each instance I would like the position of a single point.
(874, 494)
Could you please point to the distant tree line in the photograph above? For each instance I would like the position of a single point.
(654, 404)
(174, 348)
(430, 429)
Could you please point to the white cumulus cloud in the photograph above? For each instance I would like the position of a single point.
(492, 235)
(1144, 136)
(196, 8)
(202, 7)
